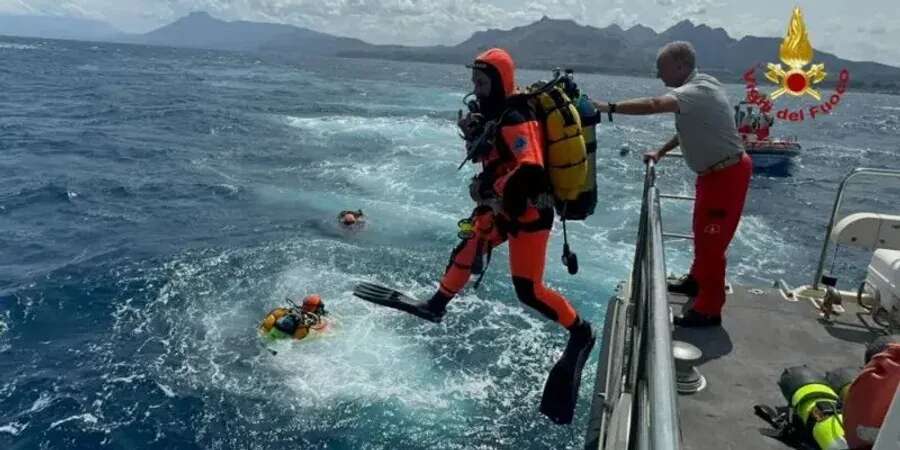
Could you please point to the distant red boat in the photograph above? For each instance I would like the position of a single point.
(770, 153)
(766, 152)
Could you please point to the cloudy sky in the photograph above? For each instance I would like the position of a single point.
(860, 29)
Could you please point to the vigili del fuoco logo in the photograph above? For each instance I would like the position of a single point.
(796, 52)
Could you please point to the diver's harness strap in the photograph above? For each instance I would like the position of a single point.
(482, 269)
(781, 420)
(482, 144)
(482, 257)
(303, 318)
(505, 226)
(788, 427)
(513, 227)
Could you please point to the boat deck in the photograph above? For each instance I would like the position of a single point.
(761, 335)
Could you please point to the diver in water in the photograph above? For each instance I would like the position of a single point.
(353, 220)
(296, 321)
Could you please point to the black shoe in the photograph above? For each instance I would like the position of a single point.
(694, 319)
(686, 285)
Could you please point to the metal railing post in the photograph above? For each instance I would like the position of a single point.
(660, 361)
(838, 199)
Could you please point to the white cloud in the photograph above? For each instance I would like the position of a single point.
(845, 27)
(18, 7)
(619, 17)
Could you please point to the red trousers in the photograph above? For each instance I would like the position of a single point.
(527, 256)
(717, 211)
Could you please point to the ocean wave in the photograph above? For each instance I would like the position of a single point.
(13, 428)
(205, 327)
(394, 130)
(47, 193)
(15, 46)
(86, 418)
(4, 323)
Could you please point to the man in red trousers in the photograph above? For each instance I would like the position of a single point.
(713, 149)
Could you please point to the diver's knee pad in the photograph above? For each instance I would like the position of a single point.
(526, 292)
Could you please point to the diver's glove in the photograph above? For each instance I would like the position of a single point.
(526, 183)
(481, 188)
(471, 126)
(514, 200)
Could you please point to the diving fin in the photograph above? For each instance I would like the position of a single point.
(392, 298)
(561, 390)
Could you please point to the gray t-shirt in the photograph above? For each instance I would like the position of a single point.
(705, 122)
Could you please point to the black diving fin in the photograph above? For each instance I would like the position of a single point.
(393, 298)
(561, 390)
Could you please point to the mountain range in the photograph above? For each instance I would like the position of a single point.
(544, 44)
(57, 28)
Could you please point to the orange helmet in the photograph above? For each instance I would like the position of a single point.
(313, 303)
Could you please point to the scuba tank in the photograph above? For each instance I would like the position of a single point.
(565, 150)
(814, 404)
(571, 154)
(284, 323)
(841, 379)
(584, 205)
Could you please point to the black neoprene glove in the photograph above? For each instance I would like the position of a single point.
(514, 199)
(526, 183)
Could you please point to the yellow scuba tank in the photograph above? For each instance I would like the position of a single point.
(566, 113)
(584, 205)
(566, 153)
(815, 404)
(269, 321)
(566, 160)
(302, 323)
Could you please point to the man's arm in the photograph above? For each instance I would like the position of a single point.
(641, 106)
(666, 148)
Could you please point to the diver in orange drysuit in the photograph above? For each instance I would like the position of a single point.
(514, 204)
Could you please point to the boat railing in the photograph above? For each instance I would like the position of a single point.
(635, 402)
(660, 364)
(638, 403)
(838, 200)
